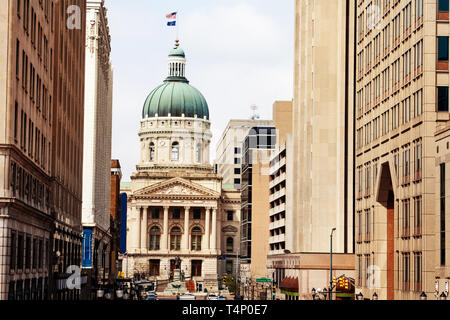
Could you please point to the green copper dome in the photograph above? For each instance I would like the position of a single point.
(175, 96)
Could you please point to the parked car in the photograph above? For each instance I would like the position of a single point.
(187, 296)
(212, 297)
(151, 296)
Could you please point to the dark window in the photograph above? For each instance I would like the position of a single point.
(237, 150)
(442, 99)
(442, 211)
(237, 170)
(154, 268)
(229, 267)
(196, 239)
(28, 253)
(12, 262)
(176, 213)
(35, 253)
(197, 214)
(41, 254)
(229, 244)
(196, 268)
(155, 213)
(17, 58)
(155, 235)
(16, 114)
(443, 48)
(443, 5)
(237, 181)
(230, 215)
(20, 252)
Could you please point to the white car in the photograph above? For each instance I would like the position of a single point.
(212, 297)
(187, 296)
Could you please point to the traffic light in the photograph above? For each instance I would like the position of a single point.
(274, 291)
(334, 281)
(341, 283)
(346, 284)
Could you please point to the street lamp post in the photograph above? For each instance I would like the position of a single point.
(331, 263)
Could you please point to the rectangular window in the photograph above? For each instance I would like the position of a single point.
(405, 217)
(197, 214)
(418, 103)
(20, 251)
(406, 166)
(417, 216)
(406, 106)
(418, 272)
(16, 114)
(406, 270)
(418, 162)
(154, 268)
(13, 253)
(442, 99)
(35, 253)
(28, 253)
(17, 58)
(176, 213)
(155, 213)
(442, 58)
(442, 214)
(230, 215)
(443, 9)
(196, 268)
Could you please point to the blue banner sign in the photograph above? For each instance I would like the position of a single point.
(87, 248)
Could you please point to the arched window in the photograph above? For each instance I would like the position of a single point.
(175, 238)
(229, 244)
(196, 239)
(152, 151)
(155, 236)
(198, 153)
(175, 151)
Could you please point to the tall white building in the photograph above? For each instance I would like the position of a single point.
(97, 140)
(229, 150)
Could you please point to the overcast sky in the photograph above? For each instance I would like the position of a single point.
(239, 53)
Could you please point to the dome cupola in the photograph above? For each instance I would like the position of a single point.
(176, 97)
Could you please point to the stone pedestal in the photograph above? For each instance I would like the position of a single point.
(176, 286)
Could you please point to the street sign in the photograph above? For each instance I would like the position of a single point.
(263, 280)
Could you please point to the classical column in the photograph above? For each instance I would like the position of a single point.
(137, 244)
(214, 229)
(219, 228)
(186, 228)
(165, 235)
(207, 235)
(144, 230)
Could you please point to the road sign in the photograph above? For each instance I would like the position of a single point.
(263, 280)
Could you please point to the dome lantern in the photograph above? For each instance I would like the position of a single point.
(177, 62)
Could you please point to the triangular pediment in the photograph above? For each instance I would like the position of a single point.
(177, 188)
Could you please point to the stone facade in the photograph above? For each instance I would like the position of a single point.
(97, 136)
(40, 149)
(176, 204)
(322, 125)
(399, 108)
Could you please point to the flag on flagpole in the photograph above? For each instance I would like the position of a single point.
(172, 16)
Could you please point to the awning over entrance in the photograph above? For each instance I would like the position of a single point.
(289, 286)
